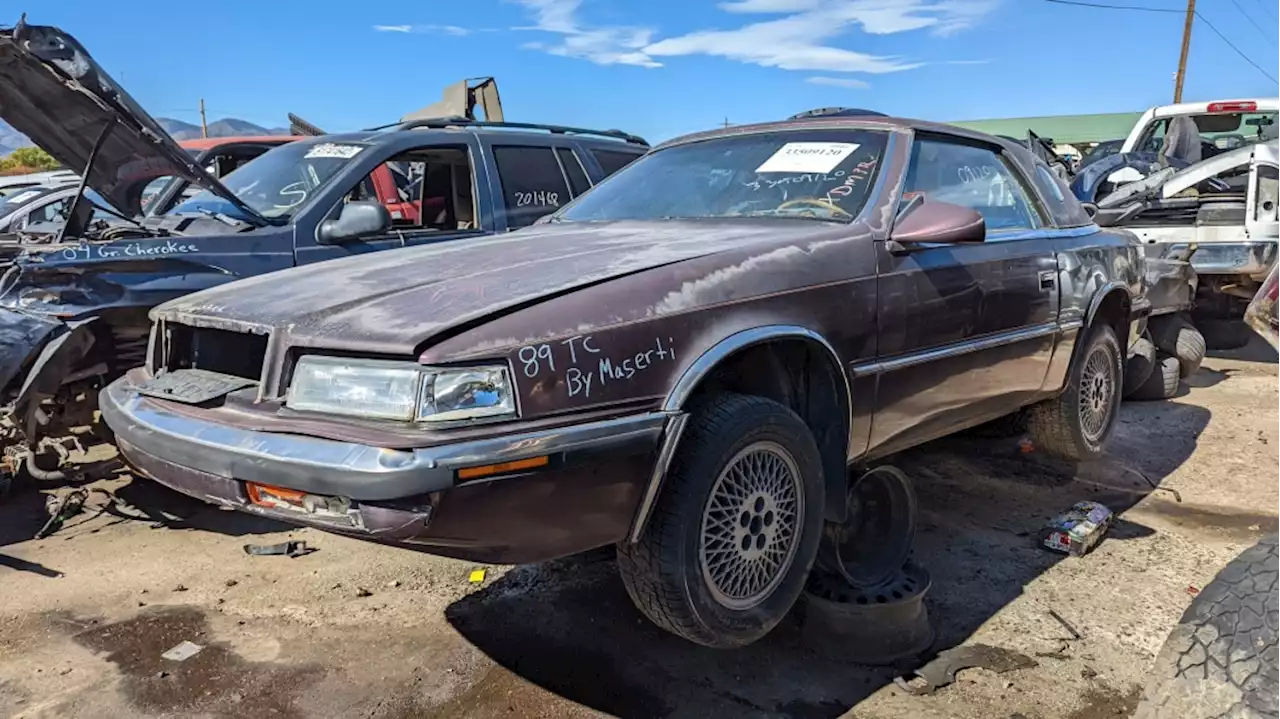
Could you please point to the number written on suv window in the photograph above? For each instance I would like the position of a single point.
(532, 183)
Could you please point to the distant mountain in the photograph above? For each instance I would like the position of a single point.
(11, 139)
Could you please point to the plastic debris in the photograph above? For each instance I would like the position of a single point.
(183, 651)
(1076, 531)
(292, 548)
(942, 671)
(1065, 624)
(61, 507)
(476, 576)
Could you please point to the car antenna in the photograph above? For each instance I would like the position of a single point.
(84, 181)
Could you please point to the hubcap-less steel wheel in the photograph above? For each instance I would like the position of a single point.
(1097, 393)
(750, 525)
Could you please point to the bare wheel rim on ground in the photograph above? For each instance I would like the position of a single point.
(751, 524)
(1097, 389)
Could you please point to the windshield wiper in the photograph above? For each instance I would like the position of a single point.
(231, 221)
(787, 214)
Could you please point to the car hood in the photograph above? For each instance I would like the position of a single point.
(394, 301)
(53, 92)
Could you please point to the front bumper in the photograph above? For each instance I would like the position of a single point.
(588, 495)
(1253, 258)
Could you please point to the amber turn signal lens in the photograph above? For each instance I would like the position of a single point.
(487, 470)
(268, 496)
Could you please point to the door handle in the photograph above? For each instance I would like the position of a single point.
(1048, 279)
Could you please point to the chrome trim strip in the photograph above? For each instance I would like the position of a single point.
(955, 350)
(340, 468)
(702, 366)
(1071, 325)
(670, 440)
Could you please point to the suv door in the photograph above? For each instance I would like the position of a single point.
(429, 192)
(532, 181)
(965, 330)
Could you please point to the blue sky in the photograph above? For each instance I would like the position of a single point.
(661, 68)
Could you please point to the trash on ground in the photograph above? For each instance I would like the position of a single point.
(183, 651)
(942, 670)
(1065, 624)
(1192, 590)
(1076, 531)
(476, 576)
(61, 507)
(362, 592)
(292, 548)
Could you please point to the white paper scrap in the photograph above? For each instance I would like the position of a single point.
(183, 651)
(808, 157)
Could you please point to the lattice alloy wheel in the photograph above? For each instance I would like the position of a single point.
(750, 525)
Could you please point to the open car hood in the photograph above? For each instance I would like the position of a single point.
(53, 92)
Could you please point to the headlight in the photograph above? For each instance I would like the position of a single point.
(399, 390)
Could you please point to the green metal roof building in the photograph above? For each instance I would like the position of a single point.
(1062, 129)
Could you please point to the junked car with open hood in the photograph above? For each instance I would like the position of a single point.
(73, 312)
(684, 361)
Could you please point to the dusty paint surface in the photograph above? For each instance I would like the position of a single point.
(366, 631)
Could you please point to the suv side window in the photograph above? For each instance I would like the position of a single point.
(612, 160)
(532, 182)
(578, 181)
(426, 189)
(973, 177)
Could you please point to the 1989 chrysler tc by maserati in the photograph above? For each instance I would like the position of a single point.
(683, 361)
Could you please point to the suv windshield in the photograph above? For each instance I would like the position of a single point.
(808, 174)
(278, 182)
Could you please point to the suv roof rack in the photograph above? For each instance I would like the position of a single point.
(445, 122)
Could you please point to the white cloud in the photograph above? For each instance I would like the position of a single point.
(453, 30)
(610, 45)
(801, 39)
(849, 82)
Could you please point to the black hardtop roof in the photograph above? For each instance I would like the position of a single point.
(448, 129)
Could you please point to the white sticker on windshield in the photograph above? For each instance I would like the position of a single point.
(333, 149)
(808, 157)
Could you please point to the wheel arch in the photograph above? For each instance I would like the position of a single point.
(793, 365)
(1111, 304)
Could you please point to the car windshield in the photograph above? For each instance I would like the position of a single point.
(810, 174)
(278, 182)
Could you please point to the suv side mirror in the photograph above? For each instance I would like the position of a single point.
(357, 219)
(934, 221)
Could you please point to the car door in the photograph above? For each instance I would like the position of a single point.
(532, 181)
(965, 330)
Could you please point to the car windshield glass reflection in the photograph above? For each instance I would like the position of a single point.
(821, 175)
(279, 182)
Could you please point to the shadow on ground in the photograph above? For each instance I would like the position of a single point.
(569, 627)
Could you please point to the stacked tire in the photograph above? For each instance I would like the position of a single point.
(1170, 351)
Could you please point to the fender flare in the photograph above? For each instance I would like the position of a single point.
(1101, 294)
(46, 373)
(702, 367)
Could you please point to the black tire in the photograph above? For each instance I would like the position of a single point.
(1140, 365)
(665, 573)
(1058, 426)
(1220, 661)
(1176, 335)
(1163, 382)
(1223, 334)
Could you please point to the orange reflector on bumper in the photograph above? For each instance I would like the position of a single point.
(268, 496)
(487, 470)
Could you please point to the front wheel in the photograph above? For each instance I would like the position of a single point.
(1076, 424)
(736, 527)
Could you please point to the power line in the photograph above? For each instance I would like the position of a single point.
(1113, 7)
(1199, 17)
(1233, 47)
(1267, 10)
(1249, 17)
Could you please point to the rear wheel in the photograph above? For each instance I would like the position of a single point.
(736, 527)
(1076, 424)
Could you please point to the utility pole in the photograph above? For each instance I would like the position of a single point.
(1186, 47)
(204, 126)
(726, 122)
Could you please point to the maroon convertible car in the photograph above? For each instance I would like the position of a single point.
(683, 361)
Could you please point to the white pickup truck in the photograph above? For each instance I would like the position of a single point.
(1225, 201)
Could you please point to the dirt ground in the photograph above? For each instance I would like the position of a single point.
(358, 630)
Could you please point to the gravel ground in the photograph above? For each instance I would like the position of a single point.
(358, 630)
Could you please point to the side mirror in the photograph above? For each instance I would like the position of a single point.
(356, 220)
(934, 221)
